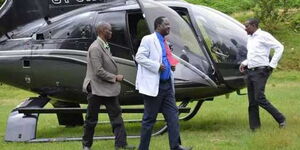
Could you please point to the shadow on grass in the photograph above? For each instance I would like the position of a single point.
(199, 125)
(213, 125)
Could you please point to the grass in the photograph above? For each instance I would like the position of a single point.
(221, 124)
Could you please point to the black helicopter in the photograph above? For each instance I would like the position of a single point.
(43, 47)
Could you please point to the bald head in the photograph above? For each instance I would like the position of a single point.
(103, 30)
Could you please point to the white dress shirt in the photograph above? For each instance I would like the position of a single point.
(259, 46)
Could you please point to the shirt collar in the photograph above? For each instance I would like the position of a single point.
(103, 42)
(256, 32)
(159, 36)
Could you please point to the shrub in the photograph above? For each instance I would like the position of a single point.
(295, 22)
(1, 2)
(272, 12)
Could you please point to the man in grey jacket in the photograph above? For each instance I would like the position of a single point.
(102, 83)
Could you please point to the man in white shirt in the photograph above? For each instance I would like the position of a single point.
(259, 68)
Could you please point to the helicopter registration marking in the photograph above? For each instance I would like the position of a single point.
(71, 2)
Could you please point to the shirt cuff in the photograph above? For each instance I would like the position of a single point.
(245, 62)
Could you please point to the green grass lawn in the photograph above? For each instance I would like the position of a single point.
(221, 124)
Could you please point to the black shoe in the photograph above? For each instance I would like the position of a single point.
(86, 148)
(282, 124)
(182, 148)
(130, 147)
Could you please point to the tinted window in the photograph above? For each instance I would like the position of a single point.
(77, 26)
(225, 38)
(119, 41)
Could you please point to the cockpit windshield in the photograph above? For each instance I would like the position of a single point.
(225, 38)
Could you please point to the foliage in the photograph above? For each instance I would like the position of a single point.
(1, 1)
(295, 22)
(271, 12)
(226, 6)
(231, 6)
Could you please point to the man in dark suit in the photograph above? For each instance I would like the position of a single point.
(102, 83)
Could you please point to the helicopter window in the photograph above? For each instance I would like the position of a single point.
(119, 41)
(138, 29)
(78, 26)
(183, 12)
(29, 29)
(224, 37)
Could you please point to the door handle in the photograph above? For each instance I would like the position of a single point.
(26, 63)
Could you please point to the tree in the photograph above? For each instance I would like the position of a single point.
(1, 2)
(271, 12)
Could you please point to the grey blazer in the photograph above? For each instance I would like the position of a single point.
(101, 71)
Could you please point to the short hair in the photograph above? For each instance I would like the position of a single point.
(158, 21)
(100, 26)
(253, 21)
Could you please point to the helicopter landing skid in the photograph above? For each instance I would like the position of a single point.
(181, 106)
(28, 114)
(159, 132)
(44, 140)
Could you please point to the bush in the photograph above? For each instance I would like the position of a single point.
(295, 22)
(272, 12)
(226, 6)
(1, 2)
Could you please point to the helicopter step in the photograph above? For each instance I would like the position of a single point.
(22, 127)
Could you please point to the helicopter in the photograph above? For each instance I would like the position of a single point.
(44, 43)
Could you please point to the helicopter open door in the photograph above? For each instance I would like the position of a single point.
(225, 39)
(194, 64)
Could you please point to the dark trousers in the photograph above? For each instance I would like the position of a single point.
(115, 115)
(164, 102)
(256, 83)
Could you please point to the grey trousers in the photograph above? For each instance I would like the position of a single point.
(256, 83)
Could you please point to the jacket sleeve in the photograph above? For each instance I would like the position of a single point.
(143, 56)
(96, 63)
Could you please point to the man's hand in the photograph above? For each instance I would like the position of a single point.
(162, 68)
(242, 68)
(119, 77)
(173, 68)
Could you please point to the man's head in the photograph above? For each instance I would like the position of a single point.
(162, 25)
(103, 30)
(251, 25)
